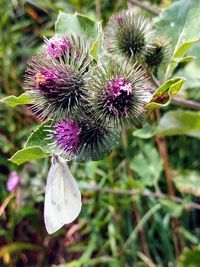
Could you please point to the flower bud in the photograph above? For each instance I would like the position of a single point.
(13, 181)
(158, 55)
(128, 35)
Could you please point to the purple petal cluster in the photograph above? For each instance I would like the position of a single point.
(57, 46)
(66, 135)
(118, 95)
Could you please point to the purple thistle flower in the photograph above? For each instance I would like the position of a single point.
(119, 93)
(57, 46)
(128, 35)
(13, 181)
(57, 86)
(118, 86)
(67, 135)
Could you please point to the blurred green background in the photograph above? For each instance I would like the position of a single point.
(125, 219)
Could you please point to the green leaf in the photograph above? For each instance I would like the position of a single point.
(190, 257)
(181, 24)
(184, 59)
(27, 154)
(179, 122)
(16, 101)
(188, 182)
(147, 164)
(165, 92)
(39, 138)
(183, 49)
(76, 23)
(37, 146)
(189, 236)
(178, 56)
(145, 132)
(191, 73)
(95, 49)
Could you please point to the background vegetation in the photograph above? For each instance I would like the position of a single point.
(141, 203)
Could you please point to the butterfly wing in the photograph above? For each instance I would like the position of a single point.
(62, 197)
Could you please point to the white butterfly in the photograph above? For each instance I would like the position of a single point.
(62, 203)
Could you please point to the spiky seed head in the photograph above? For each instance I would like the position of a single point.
(129, 35)
(97, 140)
(83, 139)
(57, 85)
(159, 54)
(57, 46)
(119, 92)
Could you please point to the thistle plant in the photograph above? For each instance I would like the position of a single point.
(86, 94)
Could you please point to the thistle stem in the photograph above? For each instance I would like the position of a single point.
(146, 7)
(162, 147)
(185, 103)
(134, 192)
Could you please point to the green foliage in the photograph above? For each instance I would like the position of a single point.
(181, 29)
(188, 182)
(179, 122)
(39, 138)
(76, 23)
(190, 258)
(179, 23)
(14, 101)
(147, 165)
(27, 154)
(80, 24)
